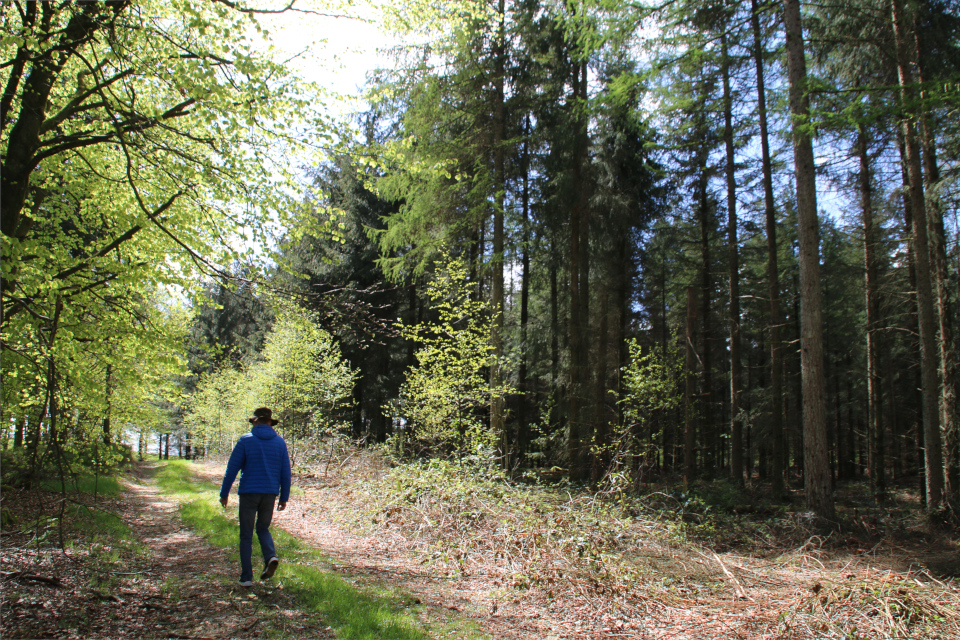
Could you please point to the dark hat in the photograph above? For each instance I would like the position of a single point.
(263, 414)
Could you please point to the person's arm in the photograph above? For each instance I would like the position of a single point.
(235, 464)
(284, 479)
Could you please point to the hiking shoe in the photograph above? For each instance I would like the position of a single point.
(271, 568)
(246, 583)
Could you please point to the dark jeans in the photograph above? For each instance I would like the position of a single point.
(255, 508)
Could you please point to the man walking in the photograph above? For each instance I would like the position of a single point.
(262, 457)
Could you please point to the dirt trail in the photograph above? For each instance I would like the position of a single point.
(199, 579)
(180, 588)
(388, 559)
(385, 560)
(713, 596)
(502, 612)
(184, 588)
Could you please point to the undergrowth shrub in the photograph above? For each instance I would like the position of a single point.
(441, 399)
(640, 553)
(89, 483)
(478, 520)
(15, 465)
(77, 460)
(718, 514)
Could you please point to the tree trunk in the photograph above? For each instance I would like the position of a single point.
(497, 425)
(554, 323)
(949, 427)
(689, 413)
(706, 418)
(817, 481)
(733, 253)
(875, 424)
(108, 393)
(773, 277)
(579, 246)
(914, 383)
(414, 319)
(669, 434)
(623, 297)
(523, 433)
(707, 423)
(933, 454)
(600, 441)
(583, 194)
(575, 339)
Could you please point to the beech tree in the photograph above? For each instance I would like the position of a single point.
(442, 393)
(135, 141)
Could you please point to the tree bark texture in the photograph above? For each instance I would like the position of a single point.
(874, 381)
(773, 273)
(523, 433)
(578, 242)
(497, 425)
(689, 394)
(733, 258)
(930, 396)
(816, 463)
(949, 427)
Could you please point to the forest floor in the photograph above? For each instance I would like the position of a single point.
(137, 572)
(169, 582)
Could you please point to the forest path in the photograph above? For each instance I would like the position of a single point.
(152, 578)
(385, 560)
(198, 581)
(807, 593)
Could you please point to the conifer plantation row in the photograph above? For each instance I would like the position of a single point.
(614, 243)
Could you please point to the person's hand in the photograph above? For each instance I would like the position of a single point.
(223, 502)
(281, 506)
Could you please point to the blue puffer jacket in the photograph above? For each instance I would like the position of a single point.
(262, 457)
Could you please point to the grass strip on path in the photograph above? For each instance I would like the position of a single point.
(352, 612)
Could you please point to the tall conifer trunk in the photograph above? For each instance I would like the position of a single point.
(949, 427)
(914, 378)
(600, 442)
(733, 253)
(577, 313)
(523, 435)
(874, 409)
(497, 425)
(689, 406)
(933, 454)
(583, 196)
(554, 322)
(773, 273)
(817, 480)
(668, 431)
(108, 394)
(705, 419)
